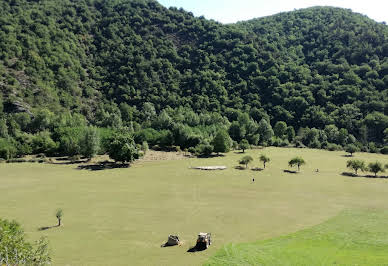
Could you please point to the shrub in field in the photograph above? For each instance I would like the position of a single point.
(246, 160)
(298, 161)
(356, 165)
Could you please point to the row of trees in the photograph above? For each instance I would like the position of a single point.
(296, 161)
(373, 167)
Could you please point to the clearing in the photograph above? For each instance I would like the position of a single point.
(121, 216)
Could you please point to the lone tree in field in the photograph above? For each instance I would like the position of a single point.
(246, 160)
(351, 148)
(244, 145)
(356, 165)
(221, 142)
(298, 161)
(265, 159)
(376, 167)
(59, 215)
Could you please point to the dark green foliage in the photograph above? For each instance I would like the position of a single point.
(90, 144)
(280, 129)
(7, 149)
(175, 79)
(16, 250)
(298, 161)
(376, 167)
(356, 165)
(204, 149)
(264, 159)
(221, 142)
(244, 145)
(122, 148)
(246, 160)
(351, 148)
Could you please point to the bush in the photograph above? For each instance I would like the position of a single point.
(204, 149)
(384, 150)
(333, 147)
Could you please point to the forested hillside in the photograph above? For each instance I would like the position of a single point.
(316, 77)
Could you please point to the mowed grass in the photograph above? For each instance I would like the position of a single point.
(352, 238)
(122, 216)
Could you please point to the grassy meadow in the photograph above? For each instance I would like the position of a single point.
(122, 216)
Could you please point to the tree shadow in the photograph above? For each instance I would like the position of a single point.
(346, 155)
(211, 156)
(257, 169)
(44, 228)
(102, 166)
(365, 176)
(238, 167)
(239, 152)
(196, 249)
(290, 171)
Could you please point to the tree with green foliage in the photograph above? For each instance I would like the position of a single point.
(91, 142)
(290, 132)
(59, 215)
(351, 148)
(16, 250)
(244, 145)
(204, 149)
(356, 165)
(376, 167)
(280, 129)
(298, 161)
(221, 142)
(264, 159)
(246, 160)
(265, 131)
(122, 147)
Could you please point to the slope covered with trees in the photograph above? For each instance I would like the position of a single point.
(319, 76)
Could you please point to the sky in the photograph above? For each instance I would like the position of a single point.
(230, 11)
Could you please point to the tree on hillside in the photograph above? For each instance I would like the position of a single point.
(15, 250)
(356, 165)
(298, 161)
(351, 148)
(265, 131)
(290, 133)
(221, 142)
(244, 145)
(246, 160)
(280, 129)
(376, 167)
(122, 148)
(91, 142)
(265, 159)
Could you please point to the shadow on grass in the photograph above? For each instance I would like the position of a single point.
(102, 166)
(44, 228)
(196, 249)
(238, 167)
(211, 156)
(365, 176)
(257, 169)
(239, 152)
(346, 155)
(290, 171)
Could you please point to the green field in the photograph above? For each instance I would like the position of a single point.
(122, 216)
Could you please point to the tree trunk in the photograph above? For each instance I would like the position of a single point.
(59, 222)
(356, 171)
(264, 165)
(298, 167)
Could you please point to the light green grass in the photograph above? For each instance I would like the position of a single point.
(122, 216)
(351, 238)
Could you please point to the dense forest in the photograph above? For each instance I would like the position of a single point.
(97, 72)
